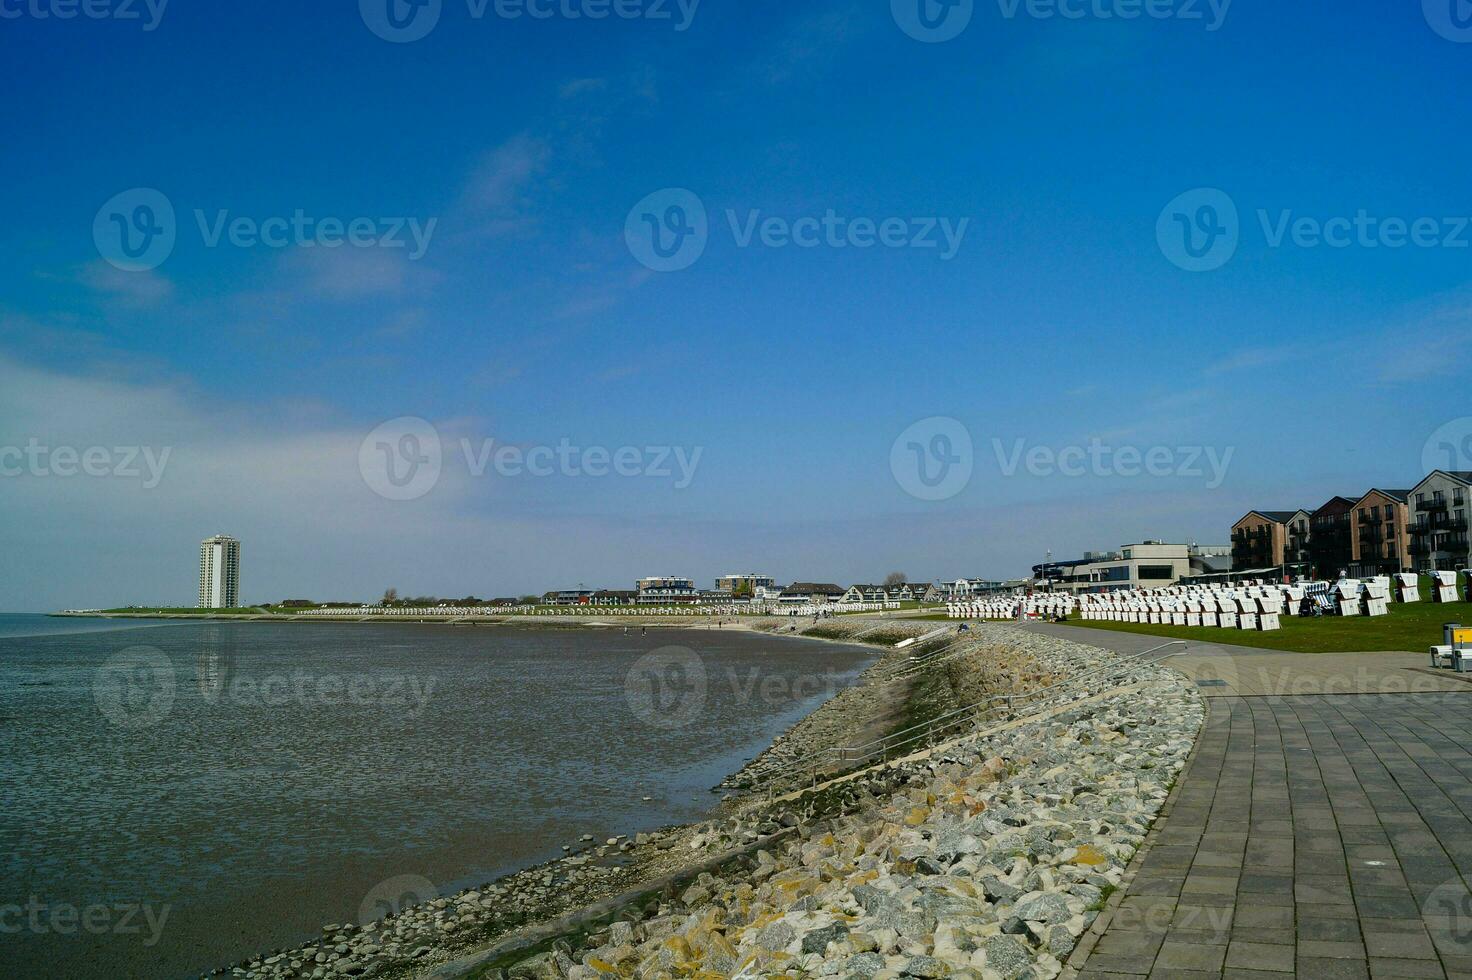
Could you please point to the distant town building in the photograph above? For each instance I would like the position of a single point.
(1330, 543)
(865, 593)
(1380, 533)
(1260, 539)
(934, 591)
(814, 593)
(568, 597)
(744, 582)
(1438, 515)
(1147, 565)
(661, 589)
(1295, 554)
(966, 588)
(219, 573)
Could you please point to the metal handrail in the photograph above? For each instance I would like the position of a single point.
(949, 719)
(1130, 660)
(914, 665)
(925, 730)
(933, 634)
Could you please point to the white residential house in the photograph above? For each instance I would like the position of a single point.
(865, 593)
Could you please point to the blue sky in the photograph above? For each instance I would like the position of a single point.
(1060, 321)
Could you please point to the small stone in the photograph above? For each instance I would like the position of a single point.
(1060, 941)
(1089, 855)
(776, 936)
(1043, 908)
(1007, 956)
(817, 941)
(924, 966)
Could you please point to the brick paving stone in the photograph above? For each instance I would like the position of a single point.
(1164, 885)
(1264, 916)
(1266, 884)
(1331, 949)
(1132, 963)
(1260, 956)
(1400, 945)
(1323, 837)
(1308, 968)
(1177, 956)
(1329, 930)
(1388, 968)
(1387, 906)
(1276, 937)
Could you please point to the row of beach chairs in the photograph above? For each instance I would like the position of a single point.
(1254, 605)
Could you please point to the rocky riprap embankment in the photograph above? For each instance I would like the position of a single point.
(987, 859)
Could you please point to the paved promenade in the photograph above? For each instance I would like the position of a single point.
(1324, 828)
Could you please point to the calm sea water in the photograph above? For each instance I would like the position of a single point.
(177, 798)
(12, 625)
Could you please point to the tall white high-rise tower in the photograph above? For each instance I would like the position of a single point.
(219, 573)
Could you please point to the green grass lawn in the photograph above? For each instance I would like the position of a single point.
(1412, 627)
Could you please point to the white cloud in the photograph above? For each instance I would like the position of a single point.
(502, 174)
(1436, 357)
(810, 43)
(580, 86)
(134, 289)
(353, 273)
(278, 477)
(1255, 357)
